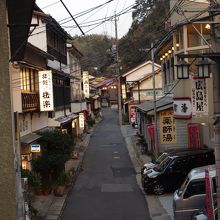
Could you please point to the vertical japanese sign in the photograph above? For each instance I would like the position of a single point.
(46, 90)
(86, 84)
(123, 91)
(167, 128)
(208, 196)
(193, 134)
(81, 120)
(133, 114)
(199, 97)
(150, 129)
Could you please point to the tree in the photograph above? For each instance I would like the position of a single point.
(147, 26)
(56, 149)
(142, 9)
(95, 49)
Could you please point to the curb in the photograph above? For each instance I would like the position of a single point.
(156, 210)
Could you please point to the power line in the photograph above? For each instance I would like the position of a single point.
(72, 17)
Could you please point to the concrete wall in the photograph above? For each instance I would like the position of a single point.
(188, 4)
(141, 71)
(16, 88)
(8, 200)
(147, 85)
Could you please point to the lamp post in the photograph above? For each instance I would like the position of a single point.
(203, 68)
(182, 69)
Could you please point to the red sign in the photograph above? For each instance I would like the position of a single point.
(133, 114)
(208, 198)
(193, 134)
(150, 129)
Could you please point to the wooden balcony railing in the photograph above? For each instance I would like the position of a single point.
(30, 101)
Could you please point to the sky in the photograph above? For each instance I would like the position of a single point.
(96, 21)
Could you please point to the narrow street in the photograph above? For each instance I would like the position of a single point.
(106, 189)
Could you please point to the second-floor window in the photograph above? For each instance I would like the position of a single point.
(168, 70)
(29, 80)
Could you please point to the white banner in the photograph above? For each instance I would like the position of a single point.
(46, 90)
(199, 97)
(86, 84)
(182, 108)
(81, 120)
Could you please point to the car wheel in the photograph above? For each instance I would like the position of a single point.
(158, 189)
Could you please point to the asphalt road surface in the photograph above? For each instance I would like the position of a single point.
(106, 189)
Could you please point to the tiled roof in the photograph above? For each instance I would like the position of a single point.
(149, 105)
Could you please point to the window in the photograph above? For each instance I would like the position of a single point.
(196, 187)
(179, 165)
(28, 79)
(194, 38)
(168, 70)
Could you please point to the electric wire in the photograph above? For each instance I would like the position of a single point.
(51, 5)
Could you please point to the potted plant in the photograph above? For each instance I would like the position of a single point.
(34, 181)
(60, 188)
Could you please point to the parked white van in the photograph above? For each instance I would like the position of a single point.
(190, 197)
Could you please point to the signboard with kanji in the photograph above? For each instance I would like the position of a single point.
(86, 84)
(133, 114)
(151, 132)
(81, 120)
(182, 108)
(193, 134)
(199, 97)
(167, 128)
(46, 90)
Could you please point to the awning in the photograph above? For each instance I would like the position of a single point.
(29, 138)
(149, 105)
(73, 116)
(161, 109)
(95, 97)
(19, 16)
(67, 119)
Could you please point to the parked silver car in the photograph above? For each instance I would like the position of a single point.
(190, 197)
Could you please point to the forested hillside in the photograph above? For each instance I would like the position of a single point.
(96, 51)
(147, 26)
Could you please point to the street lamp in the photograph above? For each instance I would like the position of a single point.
(203, 68)
(182, 69)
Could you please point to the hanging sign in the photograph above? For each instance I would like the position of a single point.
(123, 91)
(193, 134)
(167, 128)
(86, 84)
(35, 148)
(46, 90)
(182, 108)
(150, 129)
(133, 114)
(81, 120)
(199, 97)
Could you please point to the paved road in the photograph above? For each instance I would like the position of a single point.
(107, 187)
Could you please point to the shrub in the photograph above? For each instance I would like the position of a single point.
(34, 180)
(63, 178)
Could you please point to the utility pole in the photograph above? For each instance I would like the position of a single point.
(139, 95)
(216, 101)
(8, 195)
(118, 74)
(156, 145)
